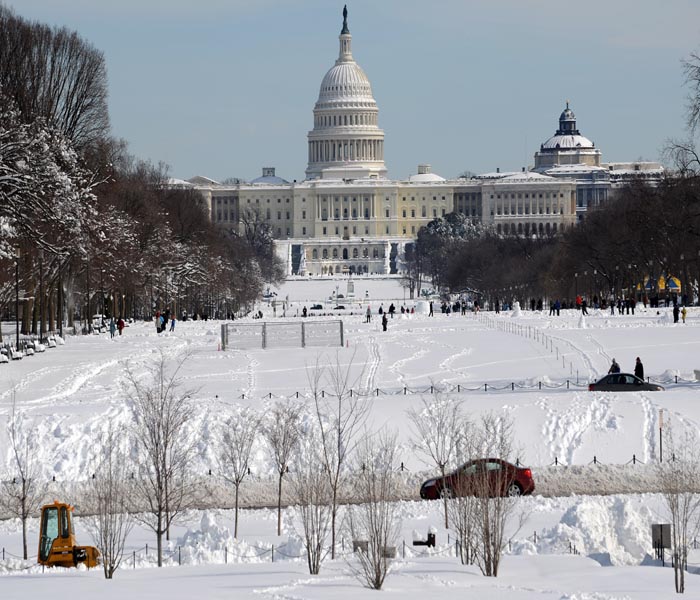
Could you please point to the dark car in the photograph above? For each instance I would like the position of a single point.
(316, 307)
(489, 476)
(623, 382)
(339, 307)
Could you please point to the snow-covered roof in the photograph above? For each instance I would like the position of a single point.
(175, 182)
(201, 180)
(426, 178)
(269, 180)
(567, 142)
(526, 176)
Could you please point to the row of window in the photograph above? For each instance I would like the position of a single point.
(335, 253)
(537, 210)
(520, 195)
(343, 120)
(526, 228)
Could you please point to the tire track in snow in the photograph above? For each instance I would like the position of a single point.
(649, 428)
(564, 432)
(374, 358)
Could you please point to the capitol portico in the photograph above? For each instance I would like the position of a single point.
(347, 216)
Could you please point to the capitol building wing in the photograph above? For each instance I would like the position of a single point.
(347, 216)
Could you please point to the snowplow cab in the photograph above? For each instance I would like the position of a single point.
(57, 546)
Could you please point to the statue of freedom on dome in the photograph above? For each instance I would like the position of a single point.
(345, 20)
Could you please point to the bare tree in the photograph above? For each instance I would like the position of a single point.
(375, 519)
(496, 496)
(282, 433)
(110, 501)
(462, 508)
(238, 436)
(22, 488)
(313, 495)
(678, 481)
(437, 428)
(340, 415)
(165, 446)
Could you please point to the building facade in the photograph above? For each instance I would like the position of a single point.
(347, 216)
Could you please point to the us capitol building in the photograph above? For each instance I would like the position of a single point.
(347, 216)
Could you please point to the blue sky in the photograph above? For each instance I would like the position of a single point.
(224, 87)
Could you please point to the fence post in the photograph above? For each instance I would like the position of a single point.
(146, 550)
(567, 384)
(512, 386)
(179, 556)
(225, 555)
(377, 391)
(404, 390)
(273, 553)
(134, 559)
(540, 384)
(486, 387)
(303, 336)
(404, 549)
(342, 335)
(458, 388)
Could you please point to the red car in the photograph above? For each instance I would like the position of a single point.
(498, 478)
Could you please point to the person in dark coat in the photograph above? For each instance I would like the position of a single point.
(676, 312)
(384, 321)
(120, 325)
(639, 369)
(614, 367)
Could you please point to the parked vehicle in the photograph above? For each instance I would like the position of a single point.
(623, 382)
(490, 476)
(316, 307)
(339, 307)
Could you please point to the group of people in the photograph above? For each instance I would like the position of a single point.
(116, 325)
(163, 319)
(638, 368)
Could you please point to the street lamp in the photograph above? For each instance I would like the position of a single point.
(17, 299)
(576, 284)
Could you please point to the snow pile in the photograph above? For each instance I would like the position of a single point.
(209, 543)
(603, 526)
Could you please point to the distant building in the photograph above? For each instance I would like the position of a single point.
(348, 217)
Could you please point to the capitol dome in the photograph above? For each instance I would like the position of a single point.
(346, 142)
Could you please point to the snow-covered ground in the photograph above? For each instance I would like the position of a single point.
(533, 367)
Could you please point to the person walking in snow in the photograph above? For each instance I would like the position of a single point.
(430, 314)
(112, 327)
(584, 306)
(385, 322)
(172, 323)
(614, 367)
(639, 368)
(120, 325)
(676, 312)
(368, 318)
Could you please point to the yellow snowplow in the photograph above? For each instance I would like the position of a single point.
(57, 547)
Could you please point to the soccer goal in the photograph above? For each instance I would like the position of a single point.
(284, 334)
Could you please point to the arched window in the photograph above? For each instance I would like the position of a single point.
(404, 213)
(355, 253)
(424, 211)
(365, 253)
(375, 253)
(366, 213)
(547, 228)
(325, 253)
(354, 213)
(413, 213)
(335, 252)
(554, 228)
(337, 213)
(314, 254)
(324, 214)
(345, 253)
(345, 213)
(267, 214)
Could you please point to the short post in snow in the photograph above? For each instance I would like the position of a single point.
(661, 435)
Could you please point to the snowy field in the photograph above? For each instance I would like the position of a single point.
(530, 366)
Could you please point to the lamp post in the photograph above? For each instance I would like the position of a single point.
(576, 284)
(595, 287)
(41, 293)
(17, 299)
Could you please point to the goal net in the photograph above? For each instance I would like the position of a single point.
(284, 334)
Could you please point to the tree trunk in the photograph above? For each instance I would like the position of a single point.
(24, 536)
(279, 506)
(235, 523)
